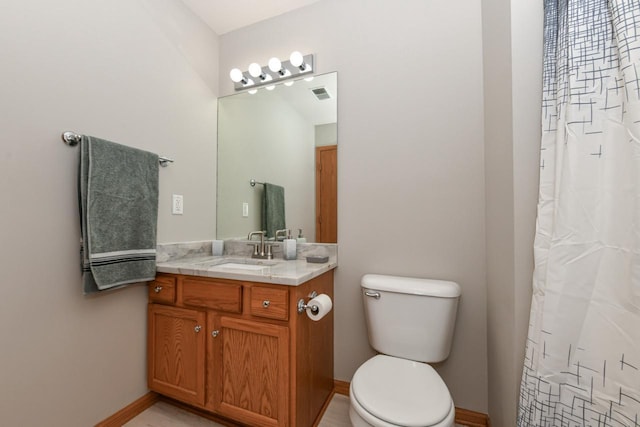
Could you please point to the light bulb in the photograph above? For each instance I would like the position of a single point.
(275, 65)
(308, 79)
(270, 87)
(288, 83)
(255, 69)
(252, 91)
(236, 75)
(296, 59)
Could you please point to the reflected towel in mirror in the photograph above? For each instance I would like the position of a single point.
(272, 209)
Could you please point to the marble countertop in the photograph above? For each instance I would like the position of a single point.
(275, 271)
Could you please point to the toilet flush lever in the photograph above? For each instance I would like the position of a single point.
(371, 294)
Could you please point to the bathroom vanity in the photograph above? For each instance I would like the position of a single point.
(232, 342)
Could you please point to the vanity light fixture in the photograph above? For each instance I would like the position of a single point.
(276, 66)
(297, 60)
(297, 66)
(239, 78)
(256, 71)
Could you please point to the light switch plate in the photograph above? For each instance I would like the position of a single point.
(177, 205)
(245, 209)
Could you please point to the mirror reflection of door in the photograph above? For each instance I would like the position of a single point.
(326, 194)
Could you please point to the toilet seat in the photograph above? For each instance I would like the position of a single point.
(390, 391)
(361, 418)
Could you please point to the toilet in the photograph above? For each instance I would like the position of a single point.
(410, 322)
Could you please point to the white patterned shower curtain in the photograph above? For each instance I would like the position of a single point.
(582, 362)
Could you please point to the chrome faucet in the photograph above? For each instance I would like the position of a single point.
(261, 250)
(282, 233)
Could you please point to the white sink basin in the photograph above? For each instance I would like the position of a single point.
(237, 266)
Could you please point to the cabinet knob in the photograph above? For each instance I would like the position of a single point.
(157, 289)
(198, 328)
(215, 333)
(266, 303)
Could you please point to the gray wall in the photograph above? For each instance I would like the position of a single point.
(326, 134)
(143, 73)
(410, 155)
(512, 45)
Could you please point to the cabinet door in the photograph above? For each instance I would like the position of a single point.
(176, 352)
(250, 371)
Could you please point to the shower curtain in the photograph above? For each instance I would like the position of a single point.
(582, 362)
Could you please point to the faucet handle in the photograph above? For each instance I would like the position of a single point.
(282, 232)
(269, 250)
(255, 248)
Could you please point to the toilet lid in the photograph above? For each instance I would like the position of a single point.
(401, 392)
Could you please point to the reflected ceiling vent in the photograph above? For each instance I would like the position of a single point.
(321, 93)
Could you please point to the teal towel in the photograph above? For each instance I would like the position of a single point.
(118, 189)
(272, 209)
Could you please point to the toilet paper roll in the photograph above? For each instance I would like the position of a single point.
(323, 303)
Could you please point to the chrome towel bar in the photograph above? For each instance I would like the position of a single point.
(72, 139)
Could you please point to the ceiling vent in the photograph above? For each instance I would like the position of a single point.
(321, 93)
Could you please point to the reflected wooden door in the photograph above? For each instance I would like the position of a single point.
(327, 194)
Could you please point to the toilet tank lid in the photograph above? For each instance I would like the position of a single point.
(411, 285)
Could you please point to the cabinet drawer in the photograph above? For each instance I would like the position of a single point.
(212, 294)
(163, 289)
(270, 302)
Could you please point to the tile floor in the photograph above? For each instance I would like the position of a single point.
(165, 415)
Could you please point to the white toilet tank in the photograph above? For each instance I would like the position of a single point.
(409, 317)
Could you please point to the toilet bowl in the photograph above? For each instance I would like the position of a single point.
(389, 391)
(410, 323)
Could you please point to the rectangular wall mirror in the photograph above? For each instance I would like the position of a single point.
(287, 137)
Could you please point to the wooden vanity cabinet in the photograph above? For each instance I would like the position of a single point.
(163, 289)
(176, 364)
(254, 360)
(250, 375)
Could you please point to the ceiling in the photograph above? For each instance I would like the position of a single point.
(227, 15)
(224, 16)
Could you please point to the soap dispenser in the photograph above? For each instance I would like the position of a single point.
(301, 238)
(289, 247)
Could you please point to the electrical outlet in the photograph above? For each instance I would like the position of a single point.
(177, 205)
(245, 210)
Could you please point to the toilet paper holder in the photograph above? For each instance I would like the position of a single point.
(302, 306)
